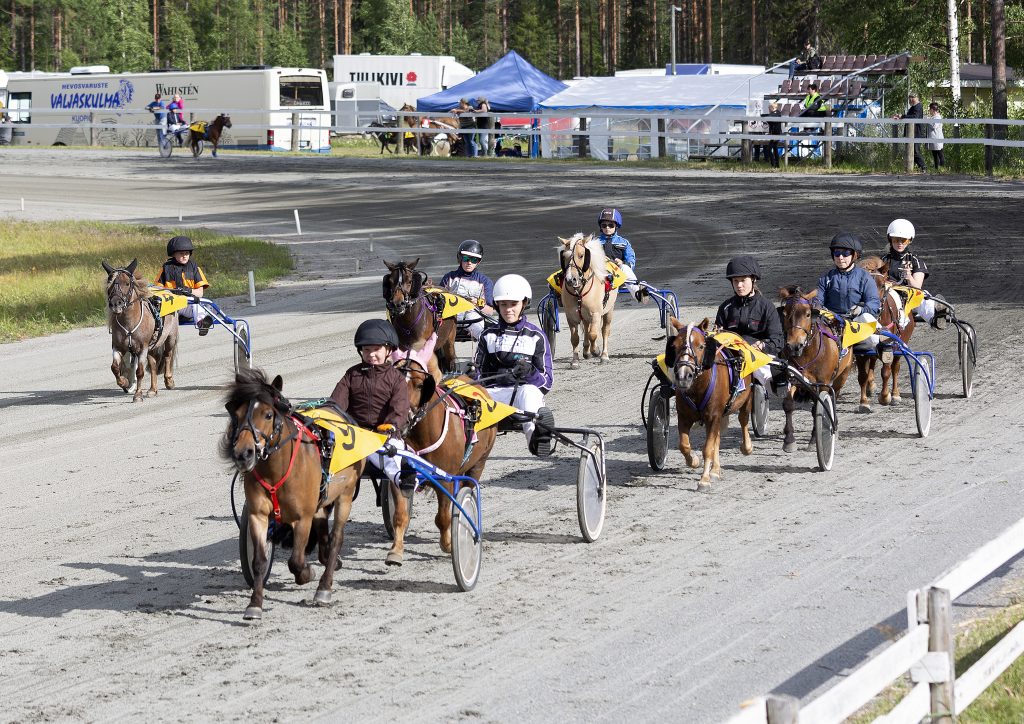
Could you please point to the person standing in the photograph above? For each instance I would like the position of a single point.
(916, 111)
(774, 129)
(467, 124)
(937, 136)
(485, 140)
(159, 110)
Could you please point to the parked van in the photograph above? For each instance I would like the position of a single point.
(57, 109)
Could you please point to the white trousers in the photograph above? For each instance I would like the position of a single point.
(476, 323)
(195, 312)
(764, 376)
(528, 398)
(630, 282)
(926, 310)
(391, 465)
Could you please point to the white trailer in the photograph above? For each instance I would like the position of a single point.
(402, 78)
(354, 105)
(263, 102)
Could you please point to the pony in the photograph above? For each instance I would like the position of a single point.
(812, 348)
(447, 141)
(280, 459)
(136, 338)
(211, 133)
(888, 319)
(416, 316)
(705, 377)
(437, 432)
(409, 140)
(386, 139)
(584, 296)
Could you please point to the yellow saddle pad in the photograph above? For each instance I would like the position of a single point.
(753, 359)
(618, 277)
(169, 301)
(853, 332)
(198, 126)
(351, 443)
(665, 369)
(453, 303)
(491, 411)
(913, 296)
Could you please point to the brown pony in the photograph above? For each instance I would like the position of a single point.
(280, 458)
(409, 144)
(584, 299)
(133, 332)
(437, 432)
(888, 319)
(812, 348)
(416, 315)
(703, 380)
(447, 138)
(212, 134)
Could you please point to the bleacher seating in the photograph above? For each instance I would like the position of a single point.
(831, 64)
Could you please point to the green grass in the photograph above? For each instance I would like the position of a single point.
(51, 278)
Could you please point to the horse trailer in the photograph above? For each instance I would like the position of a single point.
(93, 107)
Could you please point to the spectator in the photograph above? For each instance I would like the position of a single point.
(774, 129)
(486, 140)
(807, 60)
(814, 106)
(920, 131)
(759, 128)
(174, 110)
(159, 110)
(937, 136)
(464, 112)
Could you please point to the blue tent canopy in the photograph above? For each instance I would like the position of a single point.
(511, 84)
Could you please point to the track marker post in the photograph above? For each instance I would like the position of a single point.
(298, 226)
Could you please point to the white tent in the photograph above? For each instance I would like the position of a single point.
(634, 103)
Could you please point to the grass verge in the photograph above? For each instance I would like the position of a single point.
(51, 279)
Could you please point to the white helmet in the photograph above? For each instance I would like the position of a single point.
(512, 288)
(901, 229)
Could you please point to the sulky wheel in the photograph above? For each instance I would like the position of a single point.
(824, 431)
(247, 550)
(243, 347)
(922, 398)
(759, 413)
(467, 544)
(165, 146)
(968, 352)
(590, 493)
(657, 429)
(197, 150)
(548, 320)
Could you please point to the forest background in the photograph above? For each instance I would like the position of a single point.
(564, 38)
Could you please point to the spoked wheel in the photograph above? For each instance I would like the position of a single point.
(197, 150)
(657, 429)
(243, 348)
(247, 550)
(467, 546)
(824, 432)
(967, 349)
(165, 146)
(922, 399)
(590, 493)
(549, 321)
(759, 416)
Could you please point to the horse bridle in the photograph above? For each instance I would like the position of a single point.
(578, 288)
(808, 333)
(262, 442)
(125, 300)
(412, 297)
(688, 357)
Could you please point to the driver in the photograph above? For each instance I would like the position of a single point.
(469, 282)
(906, 268)
(749, 314)
(513, 360)
(847, 290)
(180, 271)
(619, 251)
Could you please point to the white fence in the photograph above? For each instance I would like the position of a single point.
(926, 651)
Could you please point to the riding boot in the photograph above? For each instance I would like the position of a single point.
(541, 443)
(941, 313)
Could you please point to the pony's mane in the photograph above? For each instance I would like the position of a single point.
(872, 264)
(253, 385)
(792, 290)
(598, 260)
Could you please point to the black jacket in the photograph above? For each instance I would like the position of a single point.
(917, 111)
(754, 318)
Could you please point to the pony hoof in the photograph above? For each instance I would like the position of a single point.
(253, 613)
(321, 598)
(574, 365)
(605, 360)
(138, 398)
(703, 488)
(864, 408)
(896, 401)
(151, 393)
(169, 384)
(393, 559)
(789, 447)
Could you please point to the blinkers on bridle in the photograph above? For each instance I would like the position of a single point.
(262, 442)
(808, 333)
(568, 259)
(410, 287)
(116, 299)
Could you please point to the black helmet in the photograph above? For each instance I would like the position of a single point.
(743, 266)
(470, 247)
(376, 331)
(179, 243)
(846, 240)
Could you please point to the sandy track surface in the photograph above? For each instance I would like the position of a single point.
(124, 597)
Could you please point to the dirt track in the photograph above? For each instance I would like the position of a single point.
(123, 593)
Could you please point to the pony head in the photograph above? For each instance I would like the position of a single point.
(402, 286)
(798, 317)
(257, 411)
(581, 258)
(124, 286)
(686, 351)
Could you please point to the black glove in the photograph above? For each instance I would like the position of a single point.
(522, 370)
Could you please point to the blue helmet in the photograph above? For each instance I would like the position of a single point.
(610, 215)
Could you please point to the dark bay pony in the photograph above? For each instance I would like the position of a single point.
(437, 432)
(416, 316)
(888, 319)
(813, 348)
(212, 134)
(280, 458)
(133, 332)
(702, 385)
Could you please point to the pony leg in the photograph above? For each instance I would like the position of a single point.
(297, 563)
(342, 509)
(575, 328)
(606, 334)
(710, 451)
(747, 446)
(154, 372)
(894, 372)
(140, 375)
(593, 331)
(115, 367)
(865, 376)
(170, 352)
(258, 534)
(443, 519)
(684, 445)
(400, 522)
(788, 435)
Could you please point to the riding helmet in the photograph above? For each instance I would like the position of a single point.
(512, 288)
(901, 229)
(610, 215)
(179, 243)
(470, 247)
(846, 240)
(743, 266)
(376, 331)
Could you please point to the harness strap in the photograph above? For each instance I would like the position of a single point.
(301, 430)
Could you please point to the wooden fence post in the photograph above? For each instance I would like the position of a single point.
(782, 709)
(745, 143)
(940, 639)
(828, 144)
(909, 156)
(295, 132)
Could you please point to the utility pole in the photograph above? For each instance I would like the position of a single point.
(673, 9)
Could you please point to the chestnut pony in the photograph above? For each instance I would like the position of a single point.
(133, 337)
(416, 315)
(213, 132)
(888, 319)
(584, 299)
(812, 348)
(702, 384)
(437, 432)
(280, 458)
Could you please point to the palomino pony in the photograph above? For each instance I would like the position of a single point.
(812, 348)
(280, 458)
(584, 297)
(437, 432)
(416, 317)
(134, 336)
(703, 385)
(888, 319)
(211, 134)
